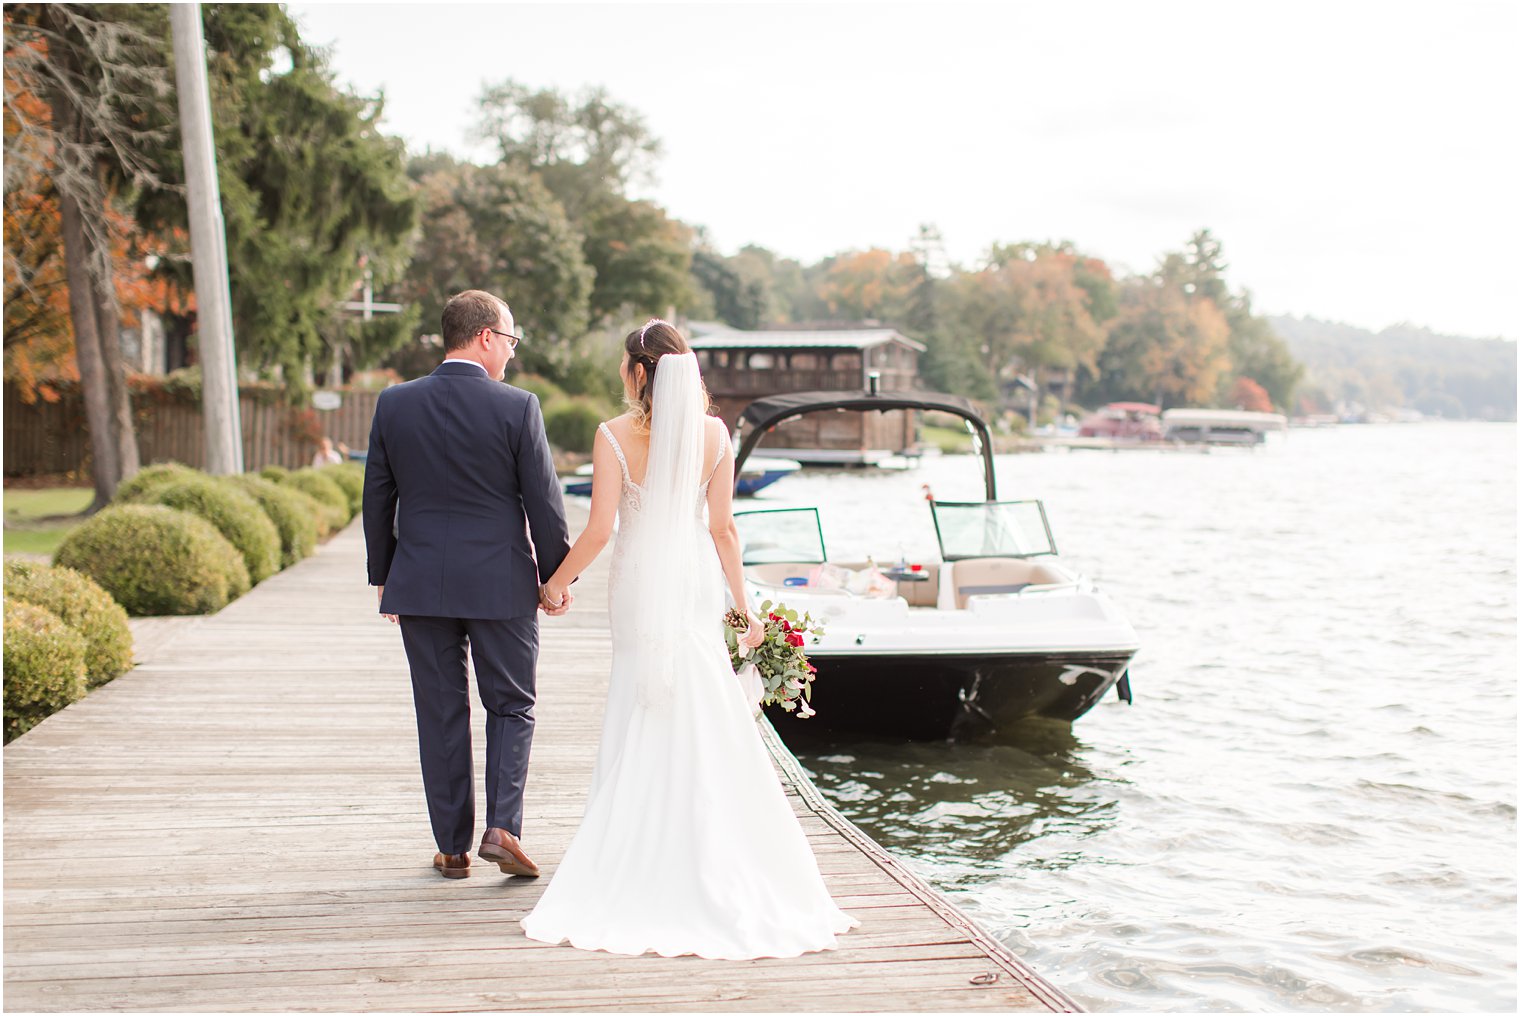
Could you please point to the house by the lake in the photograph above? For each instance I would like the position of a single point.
(742, 366)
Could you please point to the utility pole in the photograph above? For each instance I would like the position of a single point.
(208, 246)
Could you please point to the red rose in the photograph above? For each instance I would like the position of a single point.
(793, 639)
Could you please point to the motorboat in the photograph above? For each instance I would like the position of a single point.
(753, 476)
(997, 630)
(1124, 421)
(1220, 426)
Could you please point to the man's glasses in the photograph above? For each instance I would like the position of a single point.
(512, 337)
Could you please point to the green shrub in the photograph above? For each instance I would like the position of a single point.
(350, 477)
(293, 514)
(83, 606)
(274, 473)
(546, 390)
(44, 666)
(156, 560)
(135, 487)
(235, 515)
(571, 426)
(311, 482)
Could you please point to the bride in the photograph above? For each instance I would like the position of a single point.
(688, 844)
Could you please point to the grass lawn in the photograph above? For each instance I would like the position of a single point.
(25, 534)
(950, 439)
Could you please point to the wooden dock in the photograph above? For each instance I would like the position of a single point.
(238, 825)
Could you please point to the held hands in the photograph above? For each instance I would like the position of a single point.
(554, 599)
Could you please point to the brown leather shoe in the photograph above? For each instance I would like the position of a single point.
(452, 865)
(502, 848)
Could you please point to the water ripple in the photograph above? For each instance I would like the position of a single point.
(1311, 805)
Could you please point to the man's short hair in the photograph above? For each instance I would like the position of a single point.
(466, 314)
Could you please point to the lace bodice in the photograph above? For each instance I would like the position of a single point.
(632, 497)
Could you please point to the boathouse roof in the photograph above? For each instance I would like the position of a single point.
(842, 338)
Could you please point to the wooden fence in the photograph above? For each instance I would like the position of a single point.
(44, 438)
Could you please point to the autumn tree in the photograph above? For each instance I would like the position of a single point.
(1165, 345)
(871, 285)
(85, 91)
(1247, 394)
(1256, 351)
(1026, 312)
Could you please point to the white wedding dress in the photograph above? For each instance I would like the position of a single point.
(688, 844)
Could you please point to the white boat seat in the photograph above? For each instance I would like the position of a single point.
(991, 576)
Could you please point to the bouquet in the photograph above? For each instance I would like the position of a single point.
(777, 672)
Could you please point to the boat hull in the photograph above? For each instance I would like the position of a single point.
(954, 697)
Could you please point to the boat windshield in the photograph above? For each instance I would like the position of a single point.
(992, 529)
(790, 535)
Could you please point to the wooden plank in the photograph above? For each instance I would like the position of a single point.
(238, 825)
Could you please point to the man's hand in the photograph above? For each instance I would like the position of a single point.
(380, 595)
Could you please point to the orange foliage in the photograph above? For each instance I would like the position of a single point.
(869, 284)
(1247, 394)
(1028, 312)
(39, 345)
(1189, 350)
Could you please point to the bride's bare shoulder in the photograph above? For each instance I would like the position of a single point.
(716, 434)
(620, 425)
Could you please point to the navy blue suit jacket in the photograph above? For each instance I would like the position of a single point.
(461, 466)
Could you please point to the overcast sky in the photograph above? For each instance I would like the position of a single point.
(1358, 160)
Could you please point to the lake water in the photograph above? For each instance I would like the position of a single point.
(1311, 804)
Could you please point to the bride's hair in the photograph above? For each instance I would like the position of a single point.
(645, 346)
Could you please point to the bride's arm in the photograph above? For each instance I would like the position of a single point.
(725, 534)
(606, 485)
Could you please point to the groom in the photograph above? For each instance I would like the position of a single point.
(467, 461)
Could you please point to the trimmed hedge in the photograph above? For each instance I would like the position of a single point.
(82, 605)
(571, 426)
(236, 515)
(293, 514)
(546, 390)
(274, 473)
(311, 482)
(156, 560)
(349, 476)
(150, 477)
(44, 666)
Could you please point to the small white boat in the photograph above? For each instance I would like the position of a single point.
(1220, 426)
(1000, 628)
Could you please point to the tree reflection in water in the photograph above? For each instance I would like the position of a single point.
(971, 810)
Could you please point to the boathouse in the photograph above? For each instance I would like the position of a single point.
(742, 366)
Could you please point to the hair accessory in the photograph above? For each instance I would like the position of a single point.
(648, 325)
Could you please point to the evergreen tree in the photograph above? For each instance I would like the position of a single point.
(312, 194)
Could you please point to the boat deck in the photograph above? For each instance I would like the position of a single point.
(238, 825)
